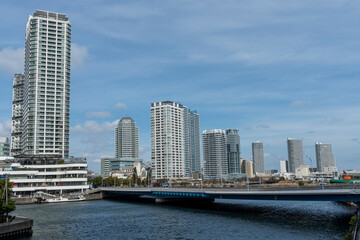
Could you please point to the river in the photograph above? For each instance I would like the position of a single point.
(225, 219)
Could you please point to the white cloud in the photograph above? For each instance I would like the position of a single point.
(12, 60)
(121, 105)
(94, 127)
(299, 103)
(5, 128)
(262, 126)
(78, 55)
(96, 161)
(98, 114)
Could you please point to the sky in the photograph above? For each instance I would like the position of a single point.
(272, 69)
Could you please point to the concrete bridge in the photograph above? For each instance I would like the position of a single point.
(210, 194)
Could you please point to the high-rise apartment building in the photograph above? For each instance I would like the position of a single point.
(247, 168)
(46, 103)
(215, 154)
(18, 96)
(295, 154)
(4, 147)
(175, 141)
(191, 141)
(233, 151)
(258, 157)
(324, 158)
(126, 139)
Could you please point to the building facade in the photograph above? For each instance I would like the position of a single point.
(324, 158)
(16, 130)
(233, 151)
(175, 140)
(46, 100)
(215, 154)
(4, 147)
(119, 165)
(247, 168)
(295, 154)
(258, 157)
(126, 139)
(284, 166)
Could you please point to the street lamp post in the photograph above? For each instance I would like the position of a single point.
(312, 170)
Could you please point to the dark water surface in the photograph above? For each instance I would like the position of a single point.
(225, 219)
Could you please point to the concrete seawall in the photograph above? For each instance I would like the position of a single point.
(20, 226)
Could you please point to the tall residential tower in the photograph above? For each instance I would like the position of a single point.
(233, 151)
(17, 105)
(175, 140)
(126, 139)
(46, 103)
(324, 158)
(295, 154)
(214, 154)
(258, 157)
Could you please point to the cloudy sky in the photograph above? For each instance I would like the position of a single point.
(272, 69)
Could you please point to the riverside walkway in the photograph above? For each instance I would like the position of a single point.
(163, 194)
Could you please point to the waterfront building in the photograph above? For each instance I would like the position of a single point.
(46, 100)
(247, 168)
(4, 147)
(233, 152)
(215, 154)
(295, 154)
(16, 130)
(191, 142)
(324, 158)
(284, 166)
(126, 139)
(302, 171)
(258, 157)
(175, 140)
(32, 173)
(110, 164)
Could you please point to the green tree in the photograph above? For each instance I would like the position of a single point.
(7, 205)
(301, 183)
(96, 182)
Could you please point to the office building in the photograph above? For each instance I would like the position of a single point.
(233, 152)
(126, 139)
(215, 154)
(284, 166)
(271, 171)
(295, 154)
(46, 100)
(4, 147)
(18, 96)
(258, 157)
(175, 140)
(324, 158)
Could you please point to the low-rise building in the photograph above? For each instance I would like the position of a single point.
(109, 164)
(48, 173)
(4, 147)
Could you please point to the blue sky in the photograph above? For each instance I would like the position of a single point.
(272, 69)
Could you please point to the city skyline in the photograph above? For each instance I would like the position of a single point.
(268, 93)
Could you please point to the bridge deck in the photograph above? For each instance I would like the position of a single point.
(191, 193)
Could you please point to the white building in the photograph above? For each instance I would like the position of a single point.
(16, 130)
(175, 140)
(302, 171)
(47, 174)
(284, 167)
(46, 103)
(215, 154)
(126, 139)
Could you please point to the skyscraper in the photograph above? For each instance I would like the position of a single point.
(126, 139)
(192, 141)
(233, 151)
(324, 158)
(284, 166)
(16, 130)
(46, 103)
(258, 157)
(175, 140)
(215, 154)
(295, 154)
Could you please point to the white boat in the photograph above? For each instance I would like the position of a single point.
(69, 199)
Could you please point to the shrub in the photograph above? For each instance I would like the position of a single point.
(301, 183)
